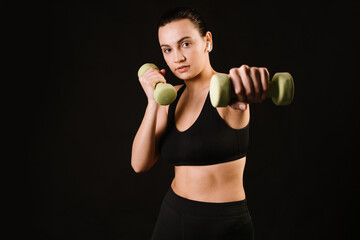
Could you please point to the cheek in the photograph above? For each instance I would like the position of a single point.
(169, 61)
(197, 56)
(167, 58)
(197, 53)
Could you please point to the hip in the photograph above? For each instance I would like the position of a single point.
(190, 207)
(182, 218)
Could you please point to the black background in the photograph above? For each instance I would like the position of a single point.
(82, 105)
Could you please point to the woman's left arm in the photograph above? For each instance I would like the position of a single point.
(250, 85)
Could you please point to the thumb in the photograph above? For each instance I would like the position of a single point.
(162, 71)
(239, 106)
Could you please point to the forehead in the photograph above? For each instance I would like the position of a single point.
(173, 31)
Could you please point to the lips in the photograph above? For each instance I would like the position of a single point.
(183, 68)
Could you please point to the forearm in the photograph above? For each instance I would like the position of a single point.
(144, 153)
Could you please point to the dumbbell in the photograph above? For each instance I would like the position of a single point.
(164, 93)
(281, 89)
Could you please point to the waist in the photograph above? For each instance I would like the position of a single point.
(214, 183)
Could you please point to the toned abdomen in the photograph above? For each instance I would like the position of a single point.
(211, 183)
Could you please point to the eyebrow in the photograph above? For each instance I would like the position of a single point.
(180, 40)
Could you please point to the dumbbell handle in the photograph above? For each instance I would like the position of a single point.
(164, 93)
(281, 89)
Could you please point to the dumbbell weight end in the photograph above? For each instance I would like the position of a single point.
(164, 93)
(282, 88)
(221, 90)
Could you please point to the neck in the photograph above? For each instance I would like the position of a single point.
(201, 82)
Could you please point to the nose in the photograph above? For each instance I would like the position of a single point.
(179, 57)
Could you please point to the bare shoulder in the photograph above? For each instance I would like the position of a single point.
(177, 87)
(236, 119)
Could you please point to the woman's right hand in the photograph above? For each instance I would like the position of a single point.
(149, 80)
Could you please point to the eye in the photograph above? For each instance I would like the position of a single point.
(167, 50)
(186, 44)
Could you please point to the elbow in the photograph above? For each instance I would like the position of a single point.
(140, 168)
(136, 168)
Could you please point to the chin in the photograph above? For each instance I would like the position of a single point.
(185, 76)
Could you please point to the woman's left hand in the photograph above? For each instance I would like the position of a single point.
(250, 85)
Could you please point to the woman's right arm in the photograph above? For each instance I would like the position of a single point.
(145, 148)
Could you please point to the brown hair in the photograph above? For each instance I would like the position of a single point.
(184, 13)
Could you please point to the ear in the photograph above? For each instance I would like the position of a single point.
(209, 42)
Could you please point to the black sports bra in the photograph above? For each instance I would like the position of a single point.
(208, 141)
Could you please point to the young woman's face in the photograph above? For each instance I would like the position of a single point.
(183, 48)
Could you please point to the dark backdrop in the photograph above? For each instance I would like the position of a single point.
(84, 104)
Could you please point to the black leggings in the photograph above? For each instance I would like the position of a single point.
(186, 219)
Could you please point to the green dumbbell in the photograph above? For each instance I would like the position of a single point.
(281, 89)
(164, 93)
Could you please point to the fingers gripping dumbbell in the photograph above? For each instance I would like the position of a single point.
(164, 93)
(281, 89)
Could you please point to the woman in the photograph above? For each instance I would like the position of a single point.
(206, 145)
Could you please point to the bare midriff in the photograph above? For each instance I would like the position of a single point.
(216, 183)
